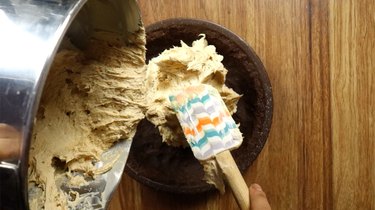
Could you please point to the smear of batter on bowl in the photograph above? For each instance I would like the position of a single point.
(178, 68)
(91, 100)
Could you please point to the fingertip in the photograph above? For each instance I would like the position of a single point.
(256, 187)
(258, 198)
(256, 190)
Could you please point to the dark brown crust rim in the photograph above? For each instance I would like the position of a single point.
(175, 169)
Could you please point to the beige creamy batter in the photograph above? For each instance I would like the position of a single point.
(176, 69)
(95, 98)
(91, 100)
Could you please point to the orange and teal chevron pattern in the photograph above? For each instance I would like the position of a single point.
(207, 124)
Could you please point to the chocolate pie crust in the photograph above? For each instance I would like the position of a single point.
(175, 170)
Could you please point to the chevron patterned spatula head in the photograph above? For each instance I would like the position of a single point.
(207, 124)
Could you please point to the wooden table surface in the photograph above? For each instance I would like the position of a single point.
(320, 57)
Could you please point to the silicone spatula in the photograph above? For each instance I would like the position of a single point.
(211, 133)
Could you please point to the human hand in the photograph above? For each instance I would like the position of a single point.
(258, 198)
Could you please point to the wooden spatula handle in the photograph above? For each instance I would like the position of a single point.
(234, 178)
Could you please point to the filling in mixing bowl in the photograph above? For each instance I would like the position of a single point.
(91, 100)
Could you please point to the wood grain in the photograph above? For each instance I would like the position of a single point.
(319, 57)
(317, 187)
(351, 52)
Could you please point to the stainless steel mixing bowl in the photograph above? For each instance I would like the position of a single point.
(30, 35)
